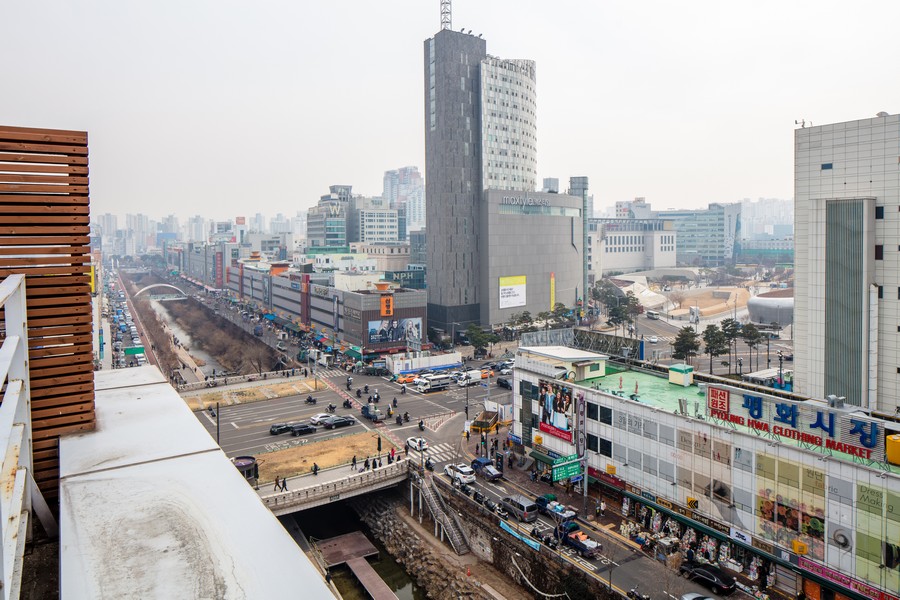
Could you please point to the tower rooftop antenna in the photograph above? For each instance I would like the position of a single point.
(445, 15)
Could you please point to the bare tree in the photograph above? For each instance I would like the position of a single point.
(677, 297)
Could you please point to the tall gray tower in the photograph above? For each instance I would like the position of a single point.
(480, 134)
(452, 175)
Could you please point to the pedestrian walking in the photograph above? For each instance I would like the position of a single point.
(277, 483)
(392, 452)
(467, 435)
(379, 463)
(406, 451)
(602, 507)
(284, 484)
(353, 463)
(366, 464)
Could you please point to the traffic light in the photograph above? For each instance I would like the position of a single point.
(379, 443)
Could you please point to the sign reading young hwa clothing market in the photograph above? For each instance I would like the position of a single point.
(806, 422)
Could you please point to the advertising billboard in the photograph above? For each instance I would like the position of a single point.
(394, 330)
(512, 291)
(556, 405)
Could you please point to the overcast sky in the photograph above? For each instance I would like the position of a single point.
(227, 108)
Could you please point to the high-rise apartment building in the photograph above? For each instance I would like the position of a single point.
(480, 134)
(847, 248)
(404, 190)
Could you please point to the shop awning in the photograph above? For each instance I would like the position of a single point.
(282, 322)
(539, 456)
(292, 327)
(354, 352)
(270, 317)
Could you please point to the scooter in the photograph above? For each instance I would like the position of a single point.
(331, 408)
(399, 420)
(310, 400)
(349, 386)
(403, 389)
(348, 404)
(366, 389)
(421, 425)
(405, 417)
(633, 594)
(395, 403)
(358, 393)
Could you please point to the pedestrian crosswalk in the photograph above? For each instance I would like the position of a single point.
(442, 452)
(330, 372)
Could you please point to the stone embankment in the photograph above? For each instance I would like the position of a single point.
(419, 558)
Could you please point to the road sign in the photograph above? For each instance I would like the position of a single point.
(565, 459)
(566, 471)
(577, 478)
(134, 350)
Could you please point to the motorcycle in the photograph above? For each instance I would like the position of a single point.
(399, 420)
(310, 400)
(395, 403)
(421, 425)
(405, 417)
(429, 464)
(331, 408)
(358, 393)
(349, 386)
(403, 389)
(366, 389)
(348, 404)
(634, 594)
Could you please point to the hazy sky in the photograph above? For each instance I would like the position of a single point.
(227, 108)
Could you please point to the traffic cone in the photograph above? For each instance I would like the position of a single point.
(468, 571)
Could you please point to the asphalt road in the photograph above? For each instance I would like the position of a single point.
(244, 428)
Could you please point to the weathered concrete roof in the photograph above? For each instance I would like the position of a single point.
(150, 507)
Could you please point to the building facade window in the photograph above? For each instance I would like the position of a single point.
(879, 252)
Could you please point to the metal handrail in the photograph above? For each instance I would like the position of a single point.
(18, 489)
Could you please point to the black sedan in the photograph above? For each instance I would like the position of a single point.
(279, 428)
(302, 429)
(335, 422)
(711, 576)
(504, 382)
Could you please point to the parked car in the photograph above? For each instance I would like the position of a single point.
(319, 419)
(279, 428)
(335, 422)
(504, 382)
(710, 576)
(460, 473)
(506, 371)
(302, 429)
(417, 443)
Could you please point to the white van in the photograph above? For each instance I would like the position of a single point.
(468, 378)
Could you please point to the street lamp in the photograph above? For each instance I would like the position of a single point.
(740, 367)
(780, 370)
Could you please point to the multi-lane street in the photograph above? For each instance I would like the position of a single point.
(244, 429)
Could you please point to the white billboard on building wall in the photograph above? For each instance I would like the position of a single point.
(512, 291)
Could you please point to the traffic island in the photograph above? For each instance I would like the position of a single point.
(298, 459)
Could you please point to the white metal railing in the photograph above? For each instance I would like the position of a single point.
(278, 501)
(18, 490)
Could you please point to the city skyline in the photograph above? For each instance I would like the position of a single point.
(247, 106)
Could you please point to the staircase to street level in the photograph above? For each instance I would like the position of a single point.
(444, 517)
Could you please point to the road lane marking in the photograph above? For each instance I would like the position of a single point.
(235, 425)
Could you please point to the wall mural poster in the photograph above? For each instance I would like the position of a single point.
(789, 507)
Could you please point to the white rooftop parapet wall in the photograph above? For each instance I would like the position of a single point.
(150, 507)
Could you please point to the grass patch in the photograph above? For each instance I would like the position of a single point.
(326, 453)
(203, 400)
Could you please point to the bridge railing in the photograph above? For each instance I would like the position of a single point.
(332, 490)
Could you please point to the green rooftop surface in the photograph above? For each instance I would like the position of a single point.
(656, 391)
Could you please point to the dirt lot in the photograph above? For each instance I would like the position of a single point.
(251, 393)
(327, 453)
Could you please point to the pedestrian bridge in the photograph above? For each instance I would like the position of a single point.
(333, 489)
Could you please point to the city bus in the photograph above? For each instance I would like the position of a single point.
(652, 314)
(433, 384)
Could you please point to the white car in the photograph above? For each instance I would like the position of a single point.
(653, 339)
(319, 419)
(506, 371)
(417, 443)
(460, 473)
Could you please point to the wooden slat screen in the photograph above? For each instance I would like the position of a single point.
(44, 233)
